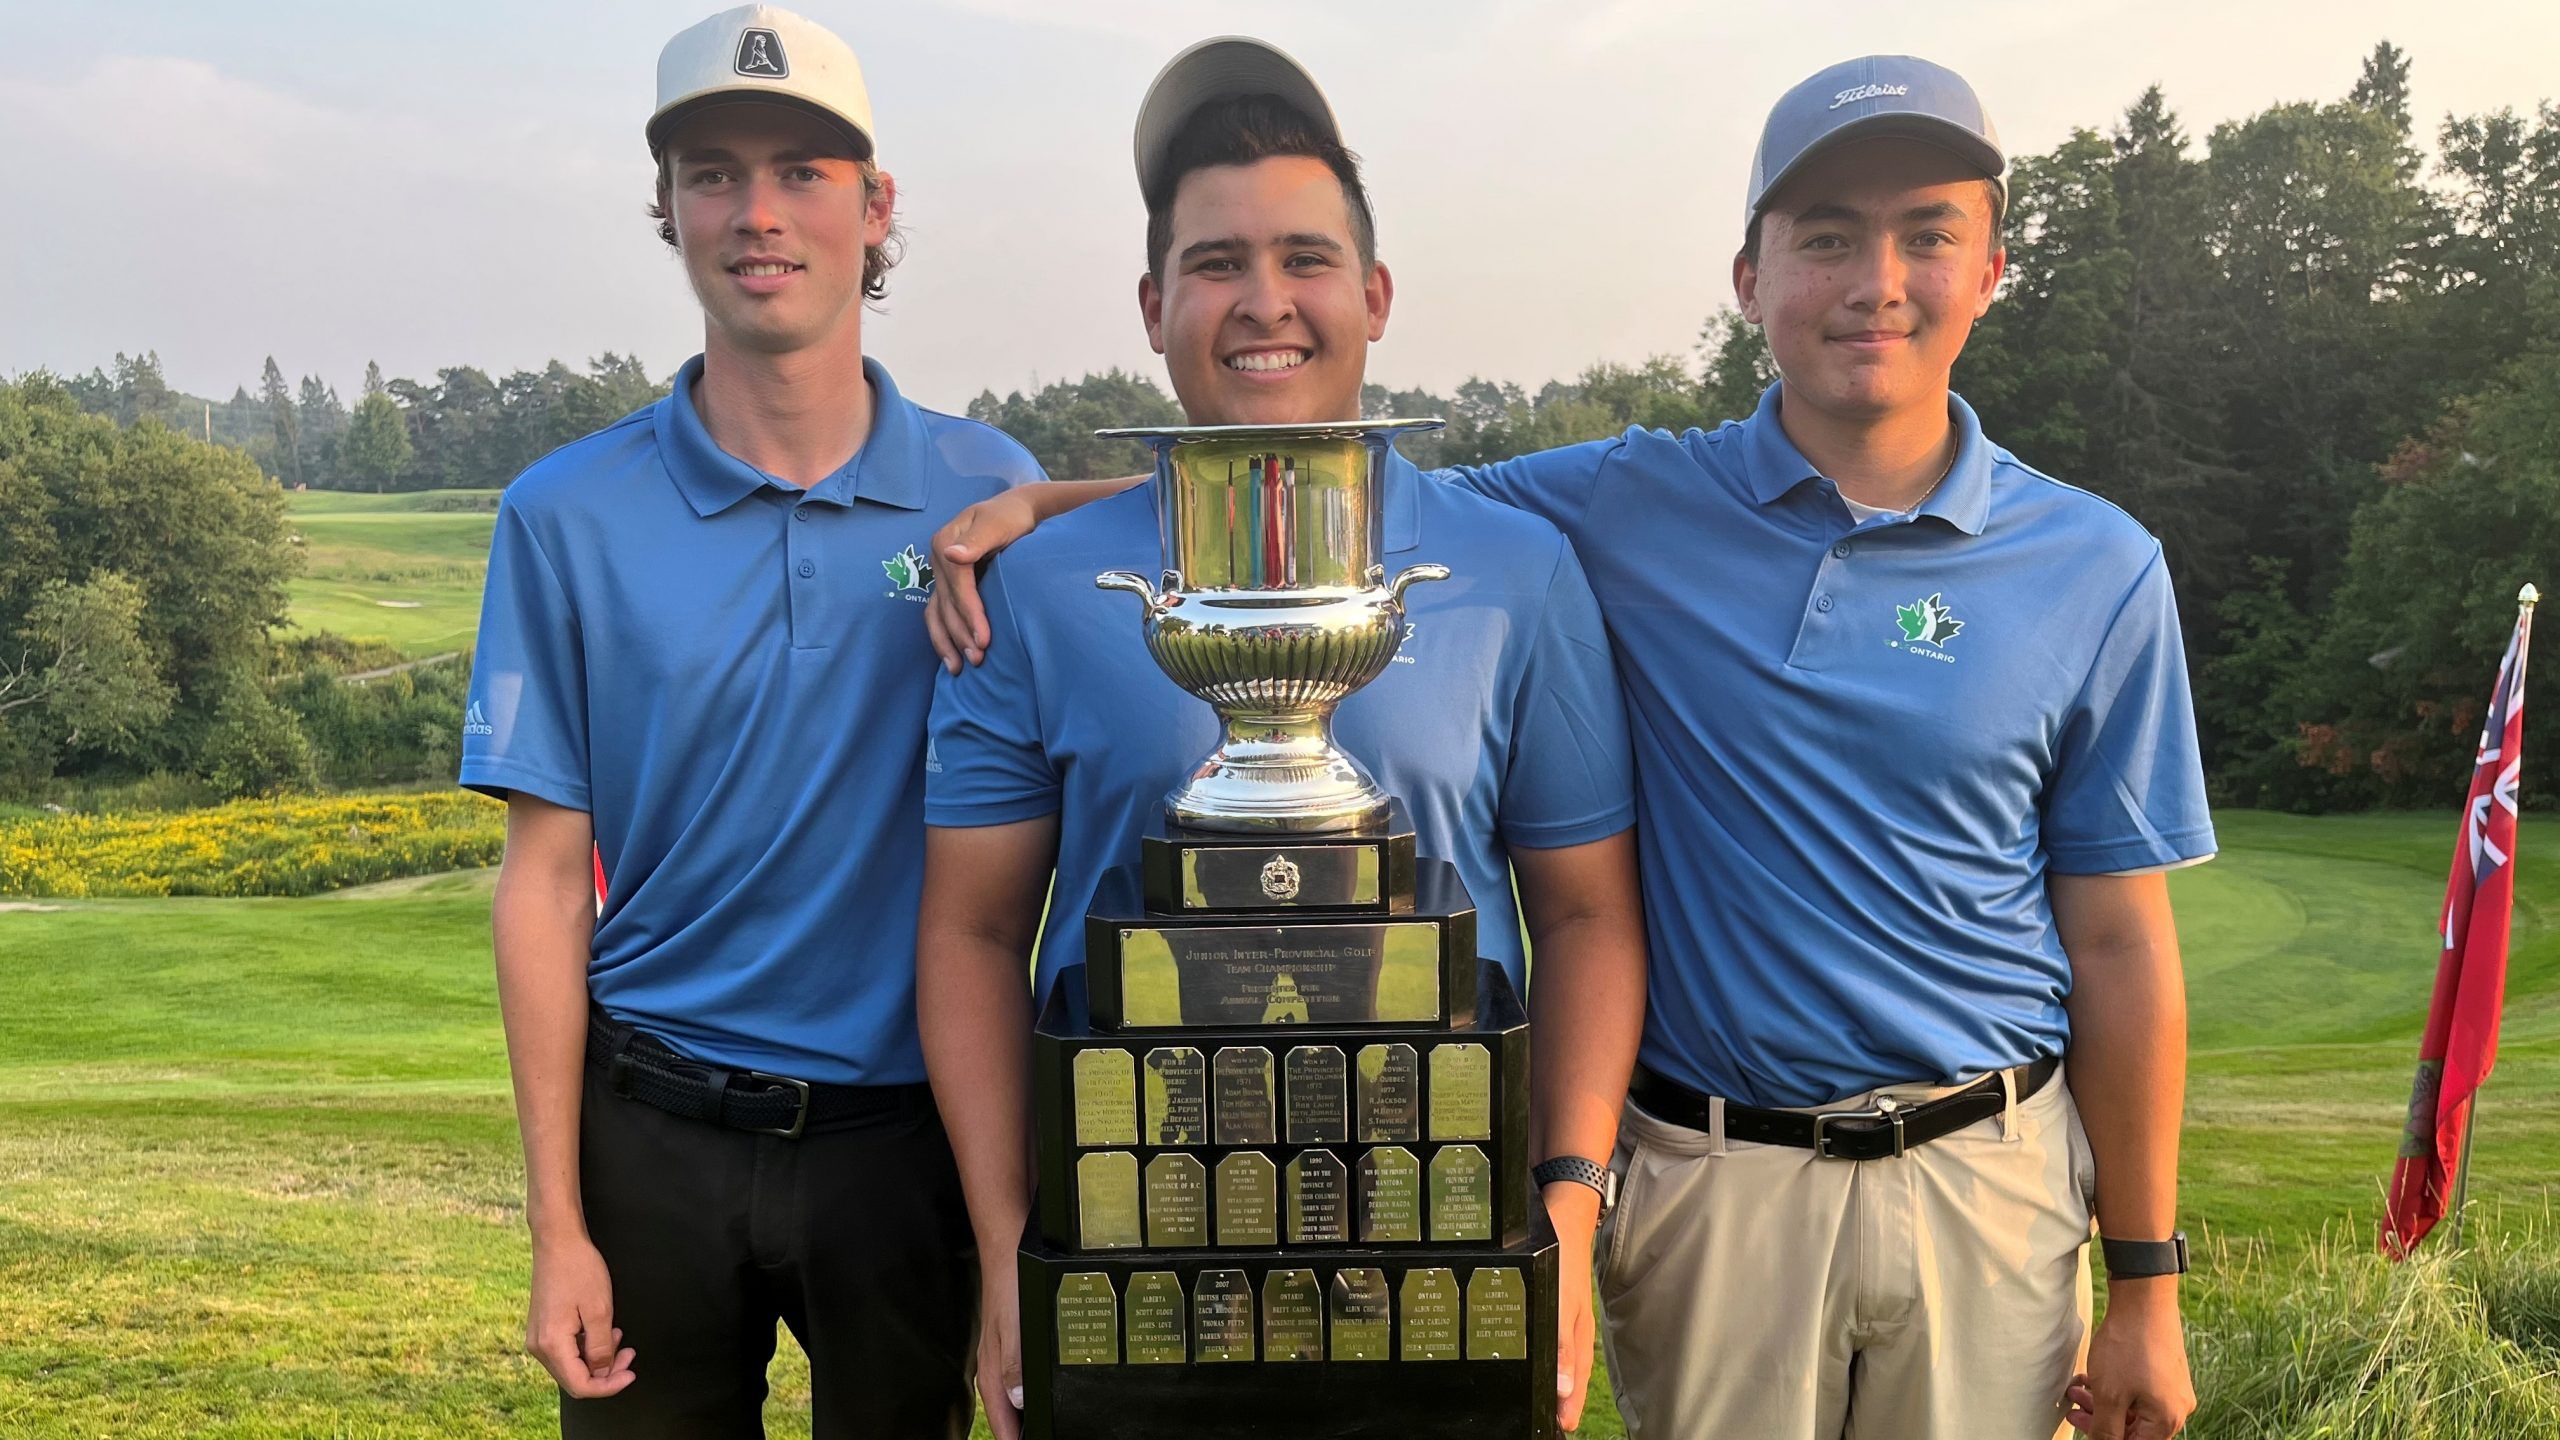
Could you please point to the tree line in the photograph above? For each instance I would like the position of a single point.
(2316, 354)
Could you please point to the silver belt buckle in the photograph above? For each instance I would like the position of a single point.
(1886, 1110)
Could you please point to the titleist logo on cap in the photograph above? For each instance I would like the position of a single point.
(1867, 92)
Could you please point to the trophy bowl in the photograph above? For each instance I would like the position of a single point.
(1273, 605)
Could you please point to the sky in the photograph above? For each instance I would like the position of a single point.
(1557, 181)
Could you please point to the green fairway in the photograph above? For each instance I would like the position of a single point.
(401, 568)
(259, 1178)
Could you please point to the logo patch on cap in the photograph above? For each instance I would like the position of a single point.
(1855, 93)
(760, 54)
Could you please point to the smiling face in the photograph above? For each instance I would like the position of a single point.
(1264, 310)
(1874, 262)
(772, 216)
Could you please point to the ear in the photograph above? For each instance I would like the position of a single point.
(1151, 310)
(1379, 294)
(1746, 286)
(879, 210)
(1991, 274)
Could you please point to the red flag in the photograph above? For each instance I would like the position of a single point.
(2461, 1041)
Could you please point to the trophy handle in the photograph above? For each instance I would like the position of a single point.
(1136, 585)
(1409, 576)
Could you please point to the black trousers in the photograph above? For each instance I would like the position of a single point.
(855, 1237)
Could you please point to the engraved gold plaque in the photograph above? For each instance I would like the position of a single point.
(1312, 1087)
(1107, 1200)
(1178, 976)
(1461, 1092)
(1088, 1321)
(1106, 1098)
(1221, 1317)
(1157, 1335)
(1177, 1086)
(1461, 1194)
(1390, 1099)
(1177, 1203)
(1292, 1316)
(1317, 1191)
(1430, 1306)
(1242, 1094)
(1497, 1315)
(1362, 1315)
(1390, 1196)
(1248, 1200)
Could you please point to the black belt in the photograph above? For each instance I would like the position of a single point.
(1880, 1133)
(640, 1067)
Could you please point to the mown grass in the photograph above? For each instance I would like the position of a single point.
(258, 1175)
(406, 569)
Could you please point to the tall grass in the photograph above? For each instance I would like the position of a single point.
(2333, 1342)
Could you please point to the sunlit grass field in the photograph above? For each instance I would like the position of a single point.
(259, 1178)
(403, 568)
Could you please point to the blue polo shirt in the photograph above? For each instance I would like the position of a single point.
(1863, 746)
(731, 675)
(1499, 722)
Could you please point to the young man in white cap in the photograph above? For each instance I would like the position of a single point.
(1500, 727)
(1912, 726)
(698, 654)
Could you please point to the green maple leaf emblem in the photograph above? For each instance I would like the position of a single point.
(908, 570)
(1928, 622)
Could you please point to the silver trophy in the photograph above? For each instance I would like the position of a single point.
(1273, 606)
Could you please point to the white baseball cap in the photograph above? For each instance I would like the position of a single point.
(761, 54)
(1213, 70)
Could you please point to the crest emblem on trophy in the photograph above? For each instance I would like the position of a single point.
(1280, 878)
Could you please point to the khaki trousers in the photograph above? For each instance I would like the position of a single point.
(1761, 1293)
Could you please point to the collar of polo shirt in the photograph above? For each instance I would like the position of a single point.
(889, 468)
(1962, 499)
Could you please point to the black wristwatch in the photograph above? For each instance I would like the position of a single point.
(2141, 1259)
(1582, 1172)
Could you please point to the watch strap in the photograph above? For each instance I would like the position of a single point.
(1580, 1171)
(2140, 1259)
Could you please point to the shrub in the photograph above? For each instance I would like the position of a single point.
(252, 847)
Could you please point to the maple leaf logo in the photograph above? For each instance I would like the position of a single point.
(908, 570)
(1928, 622)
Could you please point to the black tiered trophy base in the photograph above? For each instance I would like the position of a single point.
(1282, 1121)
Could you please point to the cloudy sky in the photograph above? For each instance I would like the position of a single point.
(1557, 181)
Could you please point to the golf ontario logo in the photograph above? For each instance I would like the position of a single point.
(476, 723)
(910, 572)
(1927, 622)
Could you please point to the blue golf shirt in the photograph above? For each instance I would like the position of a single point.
(731, 675)
(1862, 747)
(1499, 722)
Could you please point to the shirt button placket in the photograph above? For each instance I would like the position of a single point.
(801, 598)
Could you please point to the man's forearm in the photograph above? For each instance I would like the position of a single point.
(2128, 1066)
(1586, 995)
(2128, 1055)
(981, 914)
(1057, 497)
(543, 933)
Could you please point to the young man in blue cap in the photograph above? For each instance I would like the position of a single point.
(1914, 731)
(699, 654)
(1500, 725)
(1912, 725)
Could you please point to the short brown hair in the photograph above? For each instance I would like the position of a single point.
(877, 260)
(1240, 130)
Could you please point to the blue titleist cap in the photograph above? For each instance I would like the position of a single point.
(1875, 95)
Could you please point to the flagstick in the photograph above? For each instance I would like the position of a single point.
(2462, 1167)
(2526, 598)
